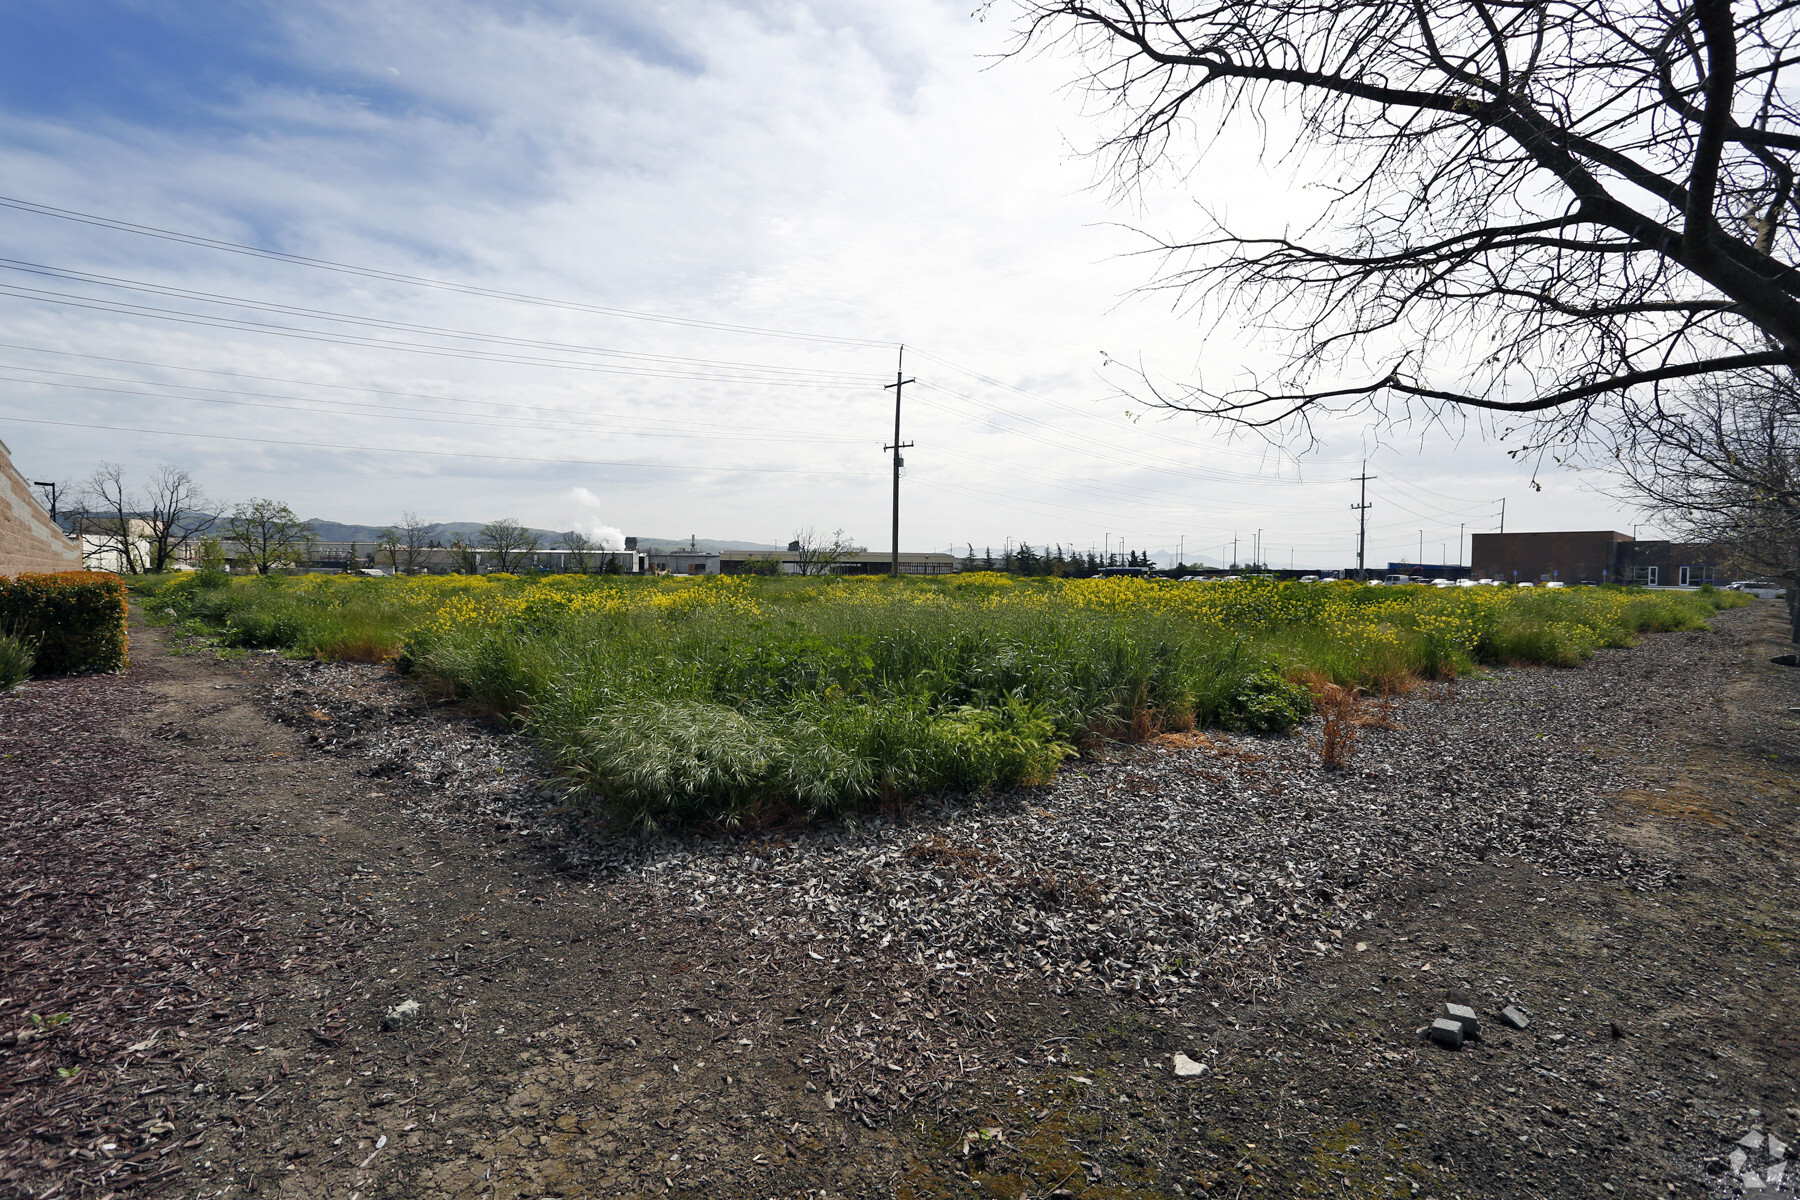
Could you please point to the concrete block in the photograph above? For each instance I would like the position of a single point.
(1465, 1016)
(1446, 1033)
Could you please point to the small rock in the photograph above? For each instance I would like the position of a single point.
(401, 1015)
(1786, 660)
(1618, 1030)
(1447, 1033)
(1187, 1066)
(1737, 1160)
(1465, 1016)
(1515, 1017)
(1777, 1148)
(1752, 1140)
(1773, 1176)
(1751, 1180)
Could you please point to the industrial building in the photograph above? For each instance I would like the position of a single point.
(1593, 556)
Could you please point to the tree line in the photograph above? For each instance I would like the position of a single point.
(1052, 559)
(169, 520)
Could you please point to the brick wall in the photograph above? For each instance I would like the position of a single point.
(1529, 557)
(29, 540)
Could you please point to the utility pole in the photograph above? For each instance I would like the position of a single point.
(1421, 559)
(1459, 541)
(1503, 517)
(1362, 521)
(1234, 561)
(898, 385)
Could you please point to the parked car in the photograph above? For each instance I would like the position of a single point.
(1466, 583)
(1556, 583)
(1762, 589)
(1527, 584)
(1309, 579)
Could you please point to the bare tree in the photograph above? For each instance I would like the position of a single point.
(1722, 468)
(389, 545)
(510, 542)
(172, 516)
(109, 515)
(463, 557)
(269, 535)
(1528, 209)
(415, 540)
(816, 553)
(580, 547)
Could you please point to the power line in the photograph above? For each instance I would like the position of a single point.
(392, 413)
(309, 383)
(575, 462)
(686, 361)
(182, 317)
(322, 264)
(1081, 412)
(1088, 447)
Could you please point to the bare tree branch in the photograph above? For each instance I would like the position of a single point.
(1547, 205)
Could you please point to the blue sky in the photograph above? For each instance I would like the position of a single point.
(863, 171)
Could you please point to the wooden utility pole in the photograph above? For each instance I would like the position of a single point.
(898, 385)
(1362, 522)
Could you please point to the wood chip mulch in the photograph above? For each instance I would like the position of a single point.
(119, 972)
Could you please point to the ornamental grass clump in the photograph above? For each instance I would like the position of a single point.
(16, 658)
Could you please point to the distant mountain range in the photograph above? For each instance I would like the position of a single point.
(337, 531)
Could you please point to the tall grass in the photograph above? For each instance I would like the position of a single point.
(736, 701)
(17, 657)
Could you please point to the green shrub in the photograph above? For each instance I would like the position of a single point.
(74, 619)
(16, 657)
(1267, 703)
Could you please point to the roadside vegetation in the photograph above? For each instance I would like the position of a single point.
(737, 700)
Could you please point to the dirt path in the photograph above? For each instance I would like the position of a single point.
(583, 1035)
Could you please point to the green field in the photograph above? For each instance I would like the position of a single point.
(735, 701)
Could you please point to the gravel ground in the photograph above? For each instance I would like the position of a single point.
(979, 997)
(1193, 863)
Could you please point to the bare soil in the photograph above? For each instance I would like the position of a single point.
(205, 913)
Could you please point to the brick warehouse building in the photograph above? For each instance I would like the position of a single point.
(1596, 556)
(29, 539)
